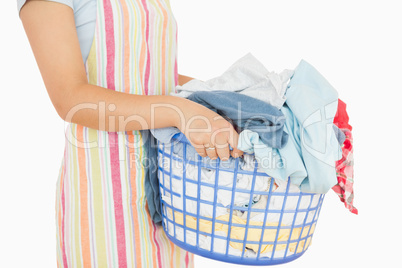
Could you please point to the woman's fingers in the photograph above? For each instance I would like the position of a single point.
(221, 141)
(236, 153)
(223, 151)
(201, 151)
(215, 143)
(199, 147)
(211, 151)
(233, 141)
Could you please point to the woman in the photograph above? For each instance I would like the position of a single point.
(111, 93)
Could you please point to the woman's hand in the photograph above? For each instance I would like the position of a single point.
(207, 131)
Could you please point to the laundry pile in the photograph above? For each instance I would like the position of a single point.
(298, 145)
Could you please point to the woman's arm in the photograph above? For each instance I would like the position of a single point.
(184, 79)
(50, 28)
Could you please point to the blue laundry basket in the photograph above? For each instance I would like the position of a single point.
(209, 211)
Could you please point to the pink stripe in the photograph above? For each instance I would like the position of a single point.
(113, 141)
(98, 56)
(186, 259)
(117, 199)
(147, 68)
(176, 76)
(67, 211)
(151, 76)
(157, 246)
(63, 226)
(110, 44)
(107, 211)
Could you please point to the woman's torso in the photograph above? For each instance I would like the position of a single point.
(104, 208)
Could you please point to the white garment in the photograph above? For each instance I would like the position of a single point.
(246, 76)
(224, 197)
(277, 201)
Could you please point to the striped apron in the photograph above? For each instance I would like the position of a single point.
(101, 208)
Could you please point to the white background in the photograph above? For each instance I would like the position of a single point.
(356, 45)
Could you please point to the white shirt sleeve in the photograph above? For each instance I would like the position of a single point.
(20, 3)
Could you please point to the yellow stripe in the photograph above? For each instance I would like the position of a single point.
(92, 66)
(97, 195)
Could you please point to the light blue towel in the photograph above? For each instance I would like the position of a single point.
(309, 156)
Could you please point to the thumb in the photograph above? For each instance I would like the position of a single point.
(233, 141)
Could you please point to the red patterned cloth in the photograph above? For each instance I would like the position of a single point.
(344, 166)
(341, 119)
